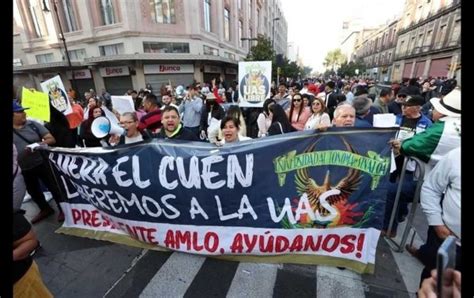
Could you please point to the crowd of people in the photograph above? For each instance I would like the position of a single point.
(427, 112)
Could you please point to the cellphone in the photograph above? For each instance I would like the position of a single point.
(446, 260)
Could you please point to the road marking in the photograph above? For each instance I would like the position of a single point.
(258, 280)
(174, 278)
(333, 282)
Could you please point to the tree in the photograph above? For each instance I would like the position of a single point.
(334, 59)
(263, 51)
(349, 69)
(307, 71)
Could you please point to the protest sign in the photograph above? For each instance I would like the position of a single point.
(57, 94)
(37, 102)
(123, 104)
(317, 197)
(254, 83)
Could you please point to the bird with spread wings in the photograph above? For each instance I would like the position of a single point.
(336, 203)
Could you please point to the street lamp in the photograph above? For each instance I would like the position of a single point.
(249, 40)
(46, 9)
(273, 30)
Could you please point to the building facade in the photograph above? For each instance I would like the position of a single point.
(122, 44)
(376, 48)
(429, 40)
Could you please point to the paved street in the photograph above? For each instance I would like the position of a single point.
(81, 267)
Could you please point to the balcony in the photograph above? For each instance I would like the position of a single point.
(425, 50)
(431, 17)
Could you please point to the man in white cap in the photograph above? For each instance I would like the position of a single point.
(433, 143)
(443, 136)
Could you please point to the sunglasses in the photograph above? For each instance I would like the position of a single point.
(296, 99)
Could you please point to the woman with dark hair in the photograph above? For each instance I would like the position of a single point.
(58, 126)
(210, 110)
(86, 137)
(319, 117)
(230, 130)
(298, 114)
(234, 111)
(280, 122)
(264, 121)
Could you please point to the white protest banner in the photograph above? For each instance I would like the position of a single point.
(57, 94)
(385, 120)
(123, 104)
(254, 82)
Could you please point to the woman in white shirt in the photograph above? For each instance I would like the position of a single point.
(264, 120)
(319, 118)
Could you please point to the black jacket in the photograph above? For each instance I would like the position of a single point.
(183, 134)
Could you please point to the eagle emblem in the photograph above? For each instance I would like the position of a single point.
(330, 203)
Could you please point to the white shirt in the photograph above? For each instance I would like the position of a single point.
(316, 119)
(444, 178)
(263, 123)
(136, 139)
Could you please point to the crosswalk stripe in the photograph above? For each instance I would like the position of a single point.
(174, 278)
(213, 279)
(333, 282)
(258, 280)
(295, 281)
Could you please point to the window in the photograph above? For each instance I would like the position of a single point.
(45, 58)
(407, 21)
(69, 16)
(107, 12)
(241, 43)
(75, 55)
(258, 20)
(420, 42)
(418, 13)
(162, 11)
(165, 47)
(250, 9)
(35, 12)
(441, 36)
(226, 24)
(210, 51)
(207, 15)
(389, 58)
(229, 55)
(402, 49)
(111, 50)
(428, 38)
(456, 32)
(412, 44)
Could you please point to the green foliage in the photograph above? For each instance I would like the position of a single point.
(334, 59)
(348, 69)
(307, 71)
(263, 51)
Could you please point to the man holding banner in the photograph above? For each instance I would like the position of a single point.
(27, 137)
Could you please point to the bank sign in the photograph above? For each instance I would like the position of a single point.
(167, 68)
(254, 82)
